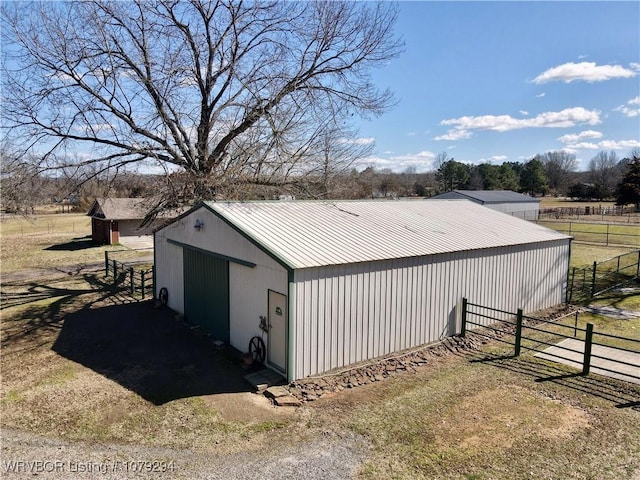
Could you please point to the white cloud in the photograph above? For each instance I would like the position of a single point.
(582, 145)
(493, 158)
(502, 123)
(630, 111)
(586, 71)
(540, 95)
(572, 138)
(604, 145)
(365, 141)
(619, 144)
(524, 112)
(635, 66)
(359, 141)
(455, 134)
(422, 161)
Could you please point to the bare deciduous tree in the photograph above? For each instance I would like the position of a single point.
(223, 92)
(604, 173)
(559, 167)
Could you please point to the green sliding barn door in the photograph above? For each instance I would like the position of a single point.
(206, 293)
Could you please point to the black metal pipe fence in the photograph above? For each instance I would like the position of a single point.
(586, 283)
(528, 333)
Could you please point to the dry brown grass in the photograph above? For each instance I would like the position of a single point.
(68, 375)
(75, 366)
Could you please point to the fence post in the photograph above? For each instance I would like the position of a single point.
(638, 265)
(133, 281)
(106, 263)
(518, 343)
(607, 234)
(573, 281)
(115, 272)
(588, 340)
(593, 279)
(463, 329)
(575, 326)
(143, 274)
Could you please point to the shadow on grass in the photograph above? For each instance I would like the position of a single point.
(148, 352)
(102, 328)
(78, 243)
(623, 394)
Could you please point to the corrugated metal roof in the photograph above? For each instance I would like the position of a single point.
(306, 234)
(490, 196)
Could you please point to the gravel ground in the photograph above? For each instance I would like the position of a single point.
(332, 456)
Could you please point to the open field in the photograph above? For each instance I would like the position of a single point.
(594, 212)
(599, 233)
(69, 223)
(81, 361)
(554, 202)
(48, 241)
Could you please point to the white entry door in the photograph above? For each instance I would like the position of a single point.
(277, 348)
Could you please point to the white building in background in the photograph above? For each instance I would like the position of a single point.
(505, 201)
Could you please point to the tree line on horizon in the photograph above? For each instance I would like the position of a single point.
(552, 173)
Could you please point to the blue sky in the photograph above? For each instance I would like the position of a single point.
(502, 81)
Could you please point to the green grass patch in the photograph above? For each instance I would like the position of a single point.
(12, 396)
(551, 202)
(608, 234)
(473, 420)
(583, 255)
(62, 375)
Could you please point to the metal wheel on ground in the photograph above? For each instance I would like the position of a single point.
(257, 349)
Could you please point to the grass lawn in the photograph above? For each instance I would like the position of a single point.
(82, 361)
(48, 241)
(492, 420)
(608, 234)
(583, 254)
(553, 202)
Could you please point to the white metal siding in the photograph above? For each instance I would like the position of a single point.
(349, 313)
(248, 286)
(526, 211)
(248, 300)
(168, 271)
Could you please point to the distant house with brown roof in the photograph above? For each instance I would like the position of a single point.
(116, 219)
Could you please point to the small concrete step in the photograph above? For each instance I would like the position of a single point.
(263, 379)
